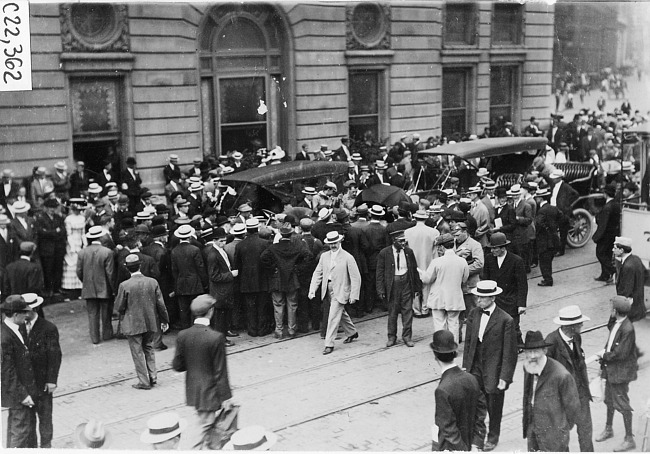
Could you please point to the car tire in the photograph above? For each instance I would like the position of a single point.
(582, 228)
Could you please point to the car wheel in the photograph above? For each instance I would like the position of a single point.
(582, 228)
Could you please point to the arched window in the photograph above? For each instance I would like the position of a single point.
(244, 89)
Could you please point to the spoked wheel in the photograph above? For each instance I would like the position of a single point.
(582, 228)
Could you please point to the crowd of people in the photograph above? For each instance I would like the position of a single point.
(202, 255)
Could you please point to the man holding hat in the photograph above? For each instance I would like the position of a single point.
(618, 366)
(42, 339)
(201, 352)
(460, 404)
(18, 387)
(189, 272)
(140, 305)
(630, 277)
(338, 276)
(547, 220)
(96, 271)
(398, 283)
(23, 275)
(551, 402)
(51, 234)
(447, 274)
(609, 227)
(565, 346)
(490, 353)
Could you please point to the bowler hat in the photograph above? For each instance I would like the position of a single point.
(158, 231)
(443, 342)
(219, 233)
(14, 303)
(498, 240)
(534, 339)
(51, 203)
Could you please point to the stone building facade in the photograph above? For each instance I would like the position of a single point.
(147, 80)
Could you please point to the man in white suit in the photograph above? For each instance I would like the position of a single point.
(338, 272)
(421, 239)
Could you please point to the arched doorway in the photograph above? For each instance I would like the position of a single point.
(245, 90)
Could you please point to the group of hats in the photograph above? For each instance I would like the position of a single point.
(21, 303)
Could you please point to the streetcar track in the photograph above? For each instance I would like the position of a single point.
(131, 375)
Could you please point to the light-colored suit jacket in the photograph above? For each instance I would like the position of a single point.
(344, 274)
(446, 274)
(96, 270)
(138, 300)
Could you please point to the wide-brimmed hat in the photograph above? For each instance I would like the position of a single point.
(95, 231)
(92, 434)
(184, 231)
(61, 165)
(32, 300)
(443, 342)
(14, 303)
(498, 240)
(20, 207)
(252, 438)
(163, 427)
(377, 210)
(309, 190)
(486, 288)
(94, 188)
(534, 339)
(570, 315)
(333, 237)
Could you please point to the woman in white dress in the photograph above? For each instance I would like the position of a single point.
(75, 225)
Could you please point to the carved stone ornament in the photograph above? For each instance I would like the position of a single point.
(94, 27)
(367, 26)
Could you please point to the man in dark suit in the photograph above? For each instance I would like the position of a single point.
(555, 134)
(565, 346)
(201, 352)
(79, 181)
(188, 270)
(8, 187)
(618, 364)
(609, 227)
(523, 219)
(303, 154)
(460, 404)
(551, 402)
(131, 182)
(562, 196)
(18, 388)
(51, 234)
(171, 171)
(343, 152)
(221, 276)
(378, 240)
(23, 275)
(45, 352)
(253, 279)
(505, 213)
(356, 243)
(107, 174)
(490, 353)
(588, 142)
(630, 277)
(96, 271)
(8, 243)
(508, 270)
(546, 235)
(22, 226)
(140, 306)
(398, 282)
(161, 255)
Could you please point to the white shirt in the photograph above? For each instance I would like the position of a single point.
(223, 254)
(567, 340)
(554, 193)
(612, 334)
(202, 321)
(4, 233)
(484, 321)
(13, 327)
(333, 257)
(22, 220)
(501, 259)
(402, 268)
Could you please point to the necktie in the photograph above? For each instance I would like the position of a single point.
(23, 332)
(398, 259)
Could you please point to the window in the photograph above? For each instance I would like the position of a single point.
(364, 103)
(460, 25)
(503, 93)
(454, 101)
(507, 23)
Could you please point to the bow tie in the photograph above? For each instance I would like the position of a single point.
(486, 312)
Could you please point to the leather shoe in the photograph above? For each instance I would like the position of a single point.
(140, 386)
(545, 284)
(489, 446)
(328, 350)
(232, 334)
(409, 343)
(153, 382)
(391, 342)
(627, 445)
(600, 279)
(605, 434)
(351, 338)
(163, 347)
(229, 343)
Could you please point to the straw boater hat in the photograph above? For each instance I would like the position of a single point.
(333, 237)
(252, 223)
(94, 232)
(486, 288)
(377, 210)
(244, 208)
(482, 172)
(570, 315)
(534, 339)
(238, 229)
(544, 192)
(309, 190)
(32, 300)
(184, 231)
(237, 155)
(252, 438)
(421, 214)
(380, 165)
(557, 173)
(195, 187)
(20, 207)
(4, 220)
(475, 190)
(163, 427)
(94, 188)
(324, 213)
(623, 241)
(92, 434)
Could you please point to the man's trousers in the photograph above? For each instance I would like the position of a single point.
(99, 308)
(141, 346)
(400, 301)
(337, 315)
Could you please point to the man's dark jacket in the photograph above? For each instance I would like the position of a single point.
(511, 278)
